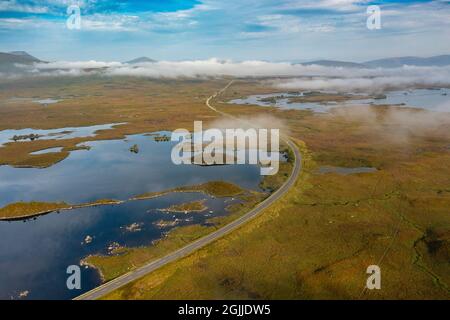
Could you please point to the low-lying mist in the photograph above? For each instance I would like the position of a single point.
(287, 75)
(398, 124)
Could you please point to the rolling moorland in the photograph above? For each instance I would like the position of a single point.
(317, 241)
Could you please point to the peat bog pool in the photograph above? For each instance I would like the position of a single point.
(433, 99)
(35, 253)
(11, 135)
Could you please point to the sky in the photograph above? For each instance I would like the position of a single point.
(270, 30)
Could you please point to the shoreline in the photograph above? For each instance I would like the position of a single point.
(104, 202)
(71, 207)
(178, 208)
(85, 263)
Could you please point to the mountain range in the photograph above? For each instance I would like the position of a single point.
(397, 62)
(442, 60)
(11, 62)
(141, 60)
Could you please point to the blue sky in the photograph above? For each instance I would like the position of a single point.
(275, 30)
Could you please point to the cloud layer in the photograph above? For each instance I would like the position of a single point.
(238, 29)
(298, 77)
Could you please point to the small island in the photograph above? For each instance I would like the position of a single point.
(26, 210)
(161, 224)
(22, 210)
(187, 207)
(162, 138)
(134, 148)
(218, 189)
(30, 137)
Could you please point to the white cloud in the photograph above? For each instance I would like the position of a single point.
(372, 80)
(101, 22)
(45, 6)
(65, 65)
(306, 77)
(211, 67)
(338, 5)
(28, 23)
(416, 17)
(377, 84)
(13, 5)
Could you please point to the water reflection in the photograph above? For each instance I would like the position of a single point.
(109, 170)
(47, 101)
(48, 150)
(11, 135)
(429, 99)
(34, 254)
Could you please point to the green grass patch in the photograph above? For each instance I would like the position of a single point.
(28, 209)
(193, 206)
(219, 189)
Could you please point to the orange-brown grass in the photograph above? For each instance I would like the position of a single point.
(217, 189)
(145, 105)
(318, 240)
(192, 206)
(315, 242)
(113, 266)
(26, 209)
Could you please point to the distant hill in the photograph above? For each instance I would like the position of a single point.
(10, 60)
(141, 60)
(443, 60)
(17, 57)
(334, 63)
(25, 55)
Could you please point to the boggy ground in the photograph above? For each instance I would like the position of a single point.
(319, 239)
(145, 105)
(28, 210)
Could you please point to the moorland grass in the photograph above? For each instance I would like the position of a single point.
(315, 242)
(187, 207)
(318, 240)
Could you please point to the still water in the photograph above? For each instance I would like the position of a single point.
(54, 134)
(34, 254)
(428, 99)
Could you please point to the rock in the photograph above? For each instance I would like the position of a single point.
(164, 223)
(134, 227)
(112, 247)
(134, 149)
(87, 240)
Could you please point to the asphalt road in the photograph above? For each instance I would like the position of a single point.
(116, 283)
